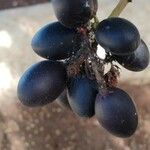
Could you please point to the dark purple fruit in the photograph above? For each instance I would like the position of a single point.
(42, 83)
(138, 60)
(74, 13)
(118, 36)
(81, 95)
(116, 112)
(54, 41)
(62, 100)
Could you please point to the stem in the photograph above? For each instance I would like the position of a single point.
(96, 20)
(119, 8)
(99, 73)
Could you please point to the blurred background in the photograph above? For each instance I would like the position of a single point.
(52, 127)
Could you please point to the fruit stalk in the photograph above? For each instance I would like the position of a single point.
(119, 8)
(99, 73)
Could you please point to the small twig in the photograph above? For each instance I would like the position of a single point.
(119, 8)
(74, 65)
(88, 49)
(111, 77)
(96, 19)
(98, 69)
(81, 56)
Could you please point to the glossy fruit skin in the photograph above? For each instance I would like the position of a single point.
(118, 36)
(138, 61)
(81, 95)
(74, 13)
(62, 100)
(54, 41)
(42, 83)
(116, 112)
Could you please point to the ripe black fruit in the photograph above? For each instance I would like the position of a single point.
(54, 41)
(137, 61)
(116, 112)
(118, 36)
(81, 95)
(62, 100)
(42, 83)
(74, 13)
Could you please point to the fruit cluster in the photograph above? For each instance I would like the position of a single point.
(74, 74)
